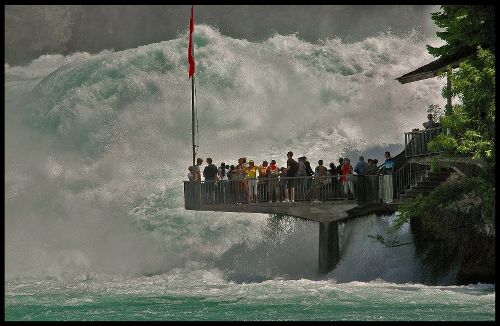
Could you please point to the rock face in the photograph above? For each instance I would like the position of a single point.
(478, 263)
(457, 238)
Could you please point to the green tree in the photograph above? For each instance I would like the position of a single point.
(472, 121)
(465, 27)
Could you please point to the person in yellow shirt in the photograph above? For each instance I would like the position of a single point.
(252, 181)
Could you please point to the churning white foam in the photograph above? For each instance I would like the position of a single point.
(97, 147)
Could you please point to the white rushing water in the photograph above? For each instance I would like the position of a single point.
(97, 146)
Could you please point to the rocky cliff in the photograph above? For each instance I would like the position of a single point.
(455, 232)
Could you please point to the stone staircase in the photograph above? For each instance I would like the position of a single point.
(425, 184)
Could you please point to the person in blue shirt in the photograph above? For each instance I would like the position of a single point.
(360, 170)
(361, 166)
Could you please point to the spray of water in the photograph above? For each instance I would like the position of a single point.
(97, 147)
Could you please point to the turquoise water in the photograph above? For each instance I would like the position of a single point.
(97, 149)
(155, 298)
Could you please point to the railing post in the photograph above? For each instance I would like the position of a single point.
(426, 141)
(360, 192)
(191, 194)
(406, 143)
(420, 149)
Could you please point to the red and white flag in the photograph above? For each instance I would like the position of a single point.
(191, 49)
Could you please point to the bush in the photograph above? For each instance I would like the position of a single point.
(448, 196)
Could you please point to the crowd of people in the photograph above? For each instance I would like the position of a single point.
(269, 182)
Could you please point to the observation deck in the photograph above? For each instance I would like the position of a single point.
(331, 200)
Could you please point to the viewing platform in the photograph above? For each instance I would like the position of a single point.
(325, 201)
(335, 199)
(332, 205)
(319, 212)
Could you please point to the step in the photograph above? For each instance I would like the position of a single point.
(428, 183)
(435, 178)
(440, 174)
(409, 194)
(422, 188)
(413, 194)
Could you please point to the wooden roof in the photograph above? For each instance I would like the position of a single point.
(432, 69)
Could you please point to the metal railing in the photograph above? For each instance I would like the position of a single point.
(248, 191)
(416, 141)
(408, 175)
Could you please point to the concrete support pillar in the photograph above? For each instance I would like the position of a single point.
(329, 253)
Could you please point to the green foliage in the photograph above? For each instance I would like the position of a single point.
(455, 204)
(457, 121)
(471, 123)
(443, 143)
(474, 84)
(435, 166)
(464, 27)
(475, 143)
(446, 196)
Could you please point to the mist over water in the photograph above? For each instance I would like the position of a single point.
(364, 259)
(97, 147)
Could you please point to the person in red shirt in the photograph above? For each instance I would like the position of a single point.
(272, 174)
(346, 178)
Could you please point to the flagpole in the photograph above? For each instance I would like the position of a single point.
(192, 116)
(191, 75)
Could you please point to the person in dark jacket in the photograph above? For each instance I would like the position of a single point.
(332, 180)
(309, 170)
(338, 184)
(291, 170)
(309, 173)
(210, 174)
(333, 170)
(339, 167)
(372, 168)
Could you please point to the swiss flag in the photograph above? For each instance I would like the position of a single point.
(190, 49)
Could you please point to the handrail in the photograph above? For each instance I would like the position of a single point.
(407, 176)
(249, 191)
(416, 141)
(368, 188)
